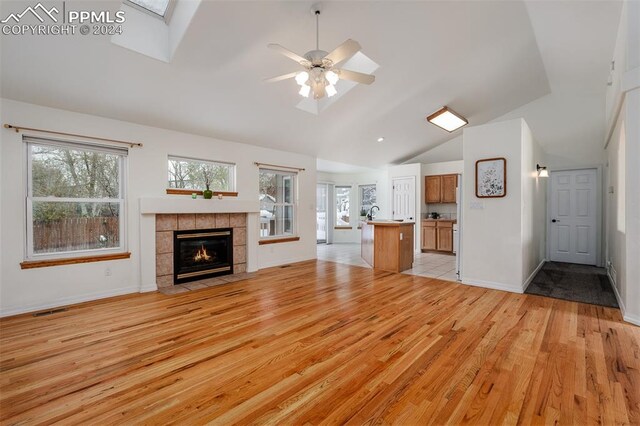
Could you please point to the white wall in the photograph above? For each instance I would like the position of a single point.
(534, 202)
(379, 178)
(623, 175)
(615, 229)
(443, 168)
(498, 245)
(415, 171)
(23, 290)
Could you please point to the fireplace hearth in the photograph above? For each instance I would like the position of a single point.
(202, 253)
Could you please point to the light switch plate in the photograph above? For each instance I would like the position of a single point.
(476, 205)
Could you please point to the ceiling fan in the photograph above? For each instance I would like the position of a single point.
(320, 73)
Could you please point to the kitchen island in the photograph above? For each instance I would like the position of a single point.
(388, 244)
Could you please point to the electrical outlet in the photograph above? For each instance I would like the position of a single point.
(107, 272)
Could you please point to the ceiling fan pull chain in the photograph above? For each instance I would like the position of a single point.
(317, 30)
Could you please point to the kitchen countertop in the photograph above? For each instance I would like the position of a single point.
(388, 222)
(440, 220)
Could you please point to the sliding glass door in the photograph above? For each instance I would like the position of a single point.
(322, 201)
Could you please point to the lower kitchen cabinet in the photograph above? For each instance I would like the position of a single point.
(429, 238)
(437, 235)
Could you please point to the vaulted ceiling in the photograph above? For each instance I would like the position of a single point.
(481, 58)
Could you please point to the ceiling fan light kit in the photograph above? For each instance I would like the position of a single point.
(320, 74)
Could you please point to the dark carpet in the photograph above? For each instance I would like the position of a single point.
(578, 283)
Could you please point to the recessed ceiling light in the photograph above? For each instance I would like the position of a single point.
(380, 139)
(447, 119)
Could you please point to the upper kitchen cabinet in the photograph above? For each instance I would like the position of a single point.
(433, 185)
(440, 189)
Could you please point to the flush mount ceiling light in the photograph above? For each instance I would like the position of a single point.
(380, 139)
(542, 171)
(320, 74)
(447, 119)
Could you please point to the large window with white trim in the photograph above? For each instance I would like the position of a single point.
(194, 174)
(343, 205)
(278, 199)
(367, 197)
(75, 199)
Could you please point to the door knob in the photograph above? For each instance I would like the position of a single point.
(554, 220)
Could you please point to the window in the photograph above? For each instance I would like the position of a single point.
(187, 173)
(367, 198)
(343, 200)
(278, 200)
(158, 8)
(75, 199)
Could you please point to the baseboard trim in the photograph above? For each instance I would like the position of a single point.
(148, 288)
(632, 319)
(493, 285)
(533, 275)
(285, 262)
(66, 301)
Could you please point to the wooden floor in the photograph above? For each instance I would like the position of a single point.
(319, 342)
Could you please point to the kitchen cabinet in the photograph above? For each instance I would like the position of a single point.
(429, 236)
(440, 189)
(437, 235)
(388, 244)
(433, 185)
(445, 236)
(448, 188)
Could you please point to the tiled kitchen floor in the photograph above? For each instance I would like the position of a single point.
(432, 265)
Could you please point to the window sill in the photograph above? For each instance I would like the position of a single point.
(343, 227)
(30, 264)
(175, 191)
(278, 240)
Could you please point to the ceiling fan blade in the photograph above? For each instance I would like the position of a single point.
(344, 51)
(281, 77)
(358, 77)
(289, 54)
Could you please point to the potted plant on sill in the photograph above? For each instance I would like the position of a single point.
(207, 193)
(363, 214)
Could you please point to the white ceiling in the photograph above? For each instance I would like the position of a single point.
(483, 59)
(576, 40)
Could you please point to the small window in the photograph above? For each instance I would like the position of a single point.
(278, 199)
(75, 199)
(343, 201)
(158, 8)
(367, 198)
(187, 173)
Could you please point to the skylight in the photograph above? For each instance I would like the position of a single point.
(156, 7)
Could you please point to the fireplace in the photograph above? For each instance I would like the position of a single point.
(202, 253)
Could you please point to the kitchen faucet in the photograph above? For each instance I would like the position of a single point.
(370, 215)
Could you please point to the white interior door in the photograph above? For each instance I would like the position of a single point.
(404, 198)
(573, 218)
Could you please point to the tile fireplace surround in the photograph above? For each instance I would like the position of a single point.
(167, 223)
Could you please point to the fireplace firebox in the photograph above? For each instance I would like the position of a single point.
(202, 253)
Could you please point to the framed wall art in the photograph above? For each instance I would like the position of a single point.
(491, 178)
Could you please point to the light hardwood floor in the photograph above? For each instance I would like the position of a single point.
(320, 342)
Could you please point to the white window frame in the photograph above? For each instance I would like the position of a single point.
(294, 204)
(29, 199)
(360, 197)
(335, 204)
(232, 172)
(167, 14)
